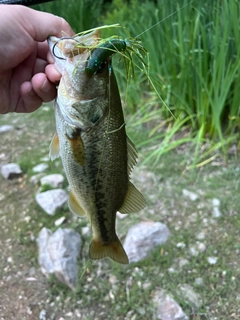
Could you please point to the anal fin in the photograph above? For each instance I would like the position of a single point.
(113, 250)
(134, 200)
(54, 147)
(74, 205)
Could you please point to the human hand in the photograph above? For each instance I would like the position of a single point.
(27, 73)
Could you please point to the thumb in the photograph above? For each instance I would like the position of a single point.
(41, 25)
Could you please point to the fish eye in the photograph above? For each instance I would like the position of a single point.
(102, 67)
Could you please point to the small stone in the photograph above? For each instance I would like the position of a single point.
(2, 196)
(11, 171)
(143, 237)
(6, 128)
(53, 180)
(216, 202)
(201, 236)
(69, 314)
(216, 212)
(42, 315)
(40, 168)
(85, 231)
(146, 285)
(182, 262)
(199, 281)
(59, 221)
(201, 247)
(112, 279)
(52, 200)
(181, 245)
(190, 296)
(193, 251)
(10, 260)
(31, 279)
(167, 308)
(189, 194)
(212, 260)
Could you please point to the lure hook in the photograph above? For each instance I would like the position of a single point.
(53, 49)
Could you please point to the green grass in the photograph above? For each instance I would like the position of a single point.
(82, 15)
(194, 62)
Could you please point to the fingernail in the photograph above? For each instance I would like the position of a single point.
(45, 87)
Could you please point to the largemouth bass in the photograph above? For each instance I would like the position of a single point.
(91, 140)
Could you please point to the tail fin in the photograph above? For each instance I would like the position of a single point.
(113, 250)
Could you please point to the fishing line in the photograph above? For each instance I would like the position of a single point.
(108, 121)
(170, 15)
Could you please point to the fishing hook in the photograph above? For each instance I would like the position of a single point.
(53, 49)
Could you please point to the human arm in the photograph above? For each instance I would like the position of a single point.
(27, 73)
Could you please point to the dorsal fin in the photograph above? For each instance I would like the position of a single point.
(134, 200)
(54, 148)
(132, 155)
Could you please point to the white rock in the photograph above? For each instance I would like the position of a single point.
(143, 237)
(199, 281)
(201, 236)
(183, 262)
(42, 315)
(85, 231)
(52, 200)
(6, 128)
(59, 221)
(212, 260)
(58, 254)
(54, 180)
(190, 296)
(193, 251)
(167, 308)
(216, 212)
(181, 245)
(189, 194)
(201, 247)
(11, 171)
(40, 167)
(216, 202)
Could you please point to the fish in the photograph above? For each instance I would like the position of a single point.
(96, 153)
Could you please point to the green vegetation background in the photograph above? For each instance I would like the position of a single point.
(194, 59)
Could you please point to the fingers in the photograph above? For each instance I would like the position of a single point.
(53, 75)
(45, 89)
(34, 93)
(41, 25)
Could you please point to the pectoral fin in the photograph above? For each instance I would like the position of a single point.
(54, 147)
(74, 205)
(134, 200)
(77, 148)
